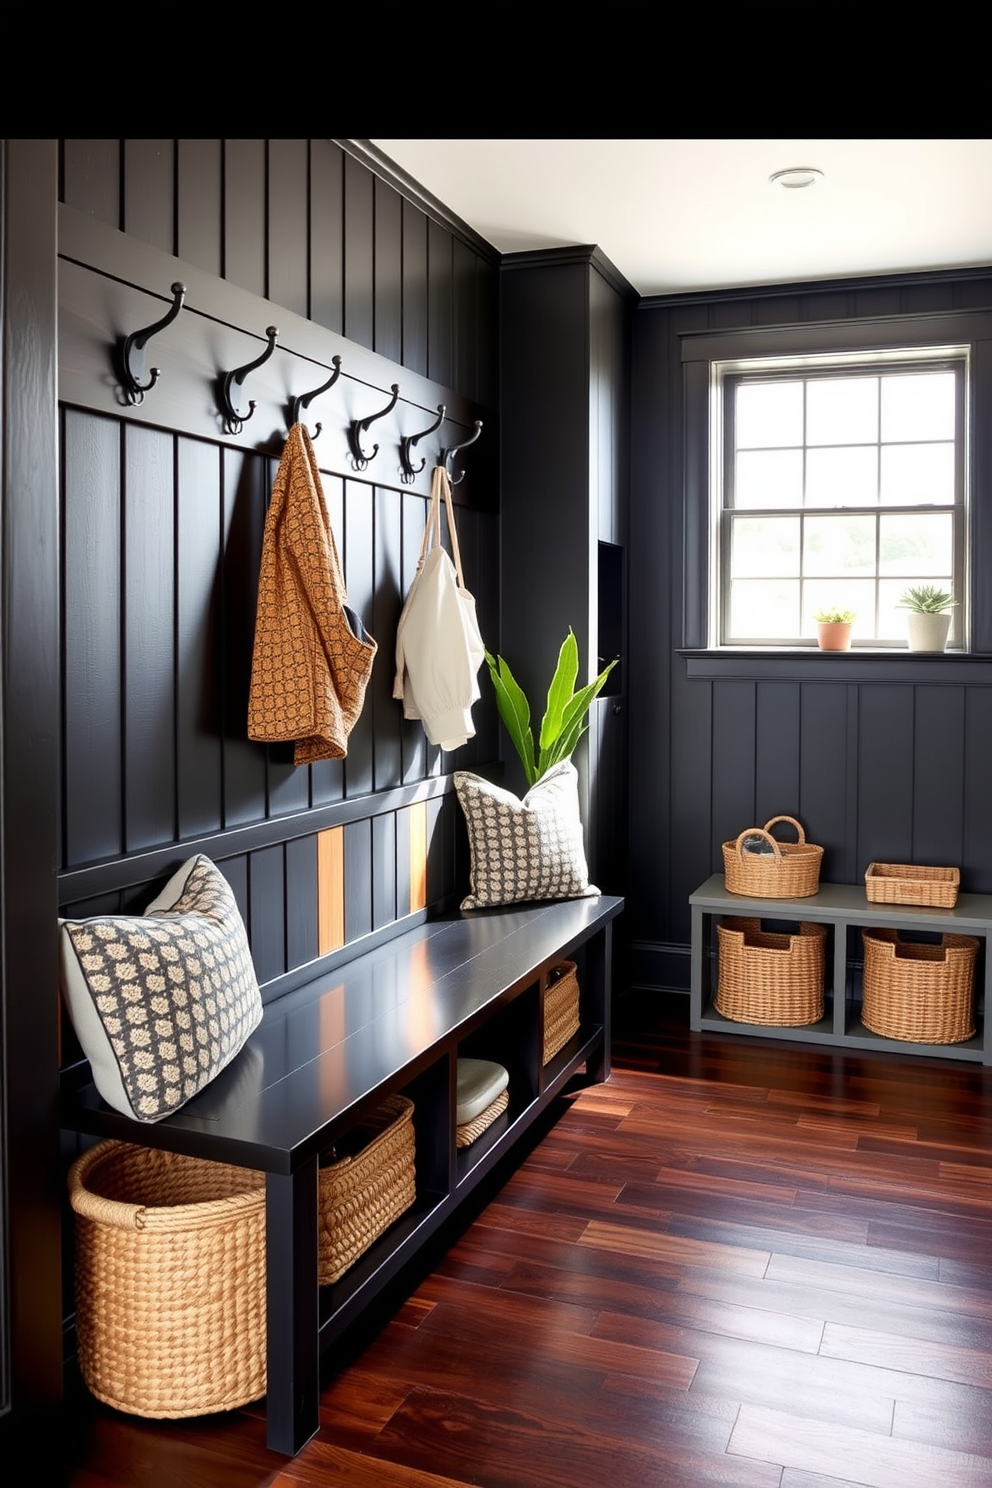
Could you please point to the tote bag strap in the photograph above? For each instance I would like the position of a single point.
(441, 487)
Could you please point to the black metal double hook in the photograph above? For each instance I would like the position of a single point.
(130, 362)
(358, 427)
(410, 441)
(453, 449)
(298, 404)
(234, 421)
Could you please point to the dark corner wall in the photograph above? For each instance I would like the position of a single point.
(882, 757)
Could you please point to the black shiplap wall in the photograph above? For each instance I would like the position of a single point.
(886, 765)
(161, 537)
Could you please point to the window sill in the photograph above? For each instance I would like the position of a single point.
(808, 663)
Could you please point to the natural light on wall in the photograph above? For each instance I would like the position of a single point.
(839, 486)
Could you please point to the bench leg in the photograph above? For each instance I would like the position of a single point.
(599, 971)
(292, 1303)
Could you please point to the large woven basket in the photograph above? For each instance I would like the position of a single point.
(921, 993)
(170, 1280)
(561, 1008)
(363, 1192)
(791, 870)
(770, 978)
(909, 883)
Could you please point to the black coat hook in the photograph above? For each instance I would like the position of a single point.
(407, 443)
(130, 363)
(298, 404)
(358, 427)
(453, 449)
(234, 421)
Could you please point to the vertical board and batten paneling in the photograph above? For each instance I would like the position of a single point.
(161, 539)
(881, 766)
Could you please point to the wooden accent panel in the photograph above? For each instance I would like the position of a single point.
(416, 817)
(326, 245)
(198, 203)
(244, 214)
(302, 901)
(149, 192)
(199, 631)
(330, 890)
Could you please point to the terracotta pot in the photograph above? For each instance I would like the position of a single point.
(834, 635)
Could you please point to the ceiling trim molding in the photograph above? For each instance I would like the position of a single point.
(581, 253)
(369, 155)
(815, 286)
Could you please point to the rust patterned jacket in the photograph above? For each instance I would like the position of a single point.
(312, 655)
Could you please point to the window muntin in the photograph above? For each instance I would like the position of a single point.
(842, 484)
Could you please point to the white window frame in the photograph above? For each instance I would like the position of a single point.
(722, 371)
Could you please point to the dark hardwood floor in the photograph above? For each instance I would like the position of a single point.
(740, 1262)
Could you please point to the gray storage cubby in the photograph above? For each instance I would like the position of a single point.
(844, 908)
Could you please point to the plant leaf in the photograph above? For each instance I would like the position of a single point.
(573, 723)
(514, 710)
(561, 689)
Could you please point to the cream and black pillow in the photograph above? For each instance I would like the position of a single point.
(163, 1001)
(529, 849)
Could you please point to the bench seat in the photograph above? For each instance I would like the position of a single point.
(392, 1018)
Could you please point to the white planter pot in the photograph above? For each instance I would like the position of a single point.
(928, 632)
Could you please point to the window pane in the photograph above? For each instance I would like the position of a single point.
(920, 406)
(842, 476)
(917, 473)
(763, 610)
(769, 413)
(922, 543)
(769, 478)
(841, 594)
(839, 545)
(842, 410)
(764, 546)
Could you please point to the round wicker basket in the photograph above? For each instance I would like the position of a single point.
(790, 871)
(170, 1280)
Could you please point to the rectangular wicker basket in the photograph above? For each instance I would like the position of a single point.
(910, 883)
(921, 993)
(561, 1008)
(770, 978)
(785, 870)
(170, 1280)
(363, 1192)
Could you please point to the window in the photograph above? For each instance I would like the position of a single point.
(838, 482)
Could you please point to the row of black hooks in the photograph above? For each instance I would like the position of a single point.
(135, 383)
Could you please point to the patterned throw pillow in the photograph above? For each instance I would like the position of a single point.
(529, 849)
(162, 1002)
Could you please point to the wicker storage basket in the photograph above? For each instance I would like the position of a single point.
(363, 1192)
(561, 1008)
(921, 993)
(170, 1280)
(790, 871)
(768, 978)
(469, 1131)
(909, 883)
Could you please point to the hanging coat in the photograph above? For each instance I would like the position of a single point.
(438, 646)
(312, 655)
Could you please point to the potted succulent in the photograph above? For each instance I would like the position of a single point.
(929, 618)
(833, 629)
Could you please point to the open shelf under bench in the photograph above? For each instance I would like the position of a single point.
(847, 909)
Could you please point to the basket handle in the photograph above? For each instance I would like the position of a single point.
(758, 832)
(108, 1212)
(792, 821)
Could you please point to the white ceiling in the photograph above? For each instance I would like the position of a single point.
(684, 215)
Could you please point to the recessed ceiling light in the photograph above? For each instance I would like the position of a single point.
(796, 177)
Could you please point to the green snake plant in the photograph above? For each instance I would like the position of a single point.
(564, 720)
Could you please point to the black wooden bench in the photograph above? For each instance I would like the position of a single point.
(395, 1018)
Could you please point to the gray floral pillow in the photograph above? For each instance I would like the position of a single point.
(161, 1002)
(529, 849)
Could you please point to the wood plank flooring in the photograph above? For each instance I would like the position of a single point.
(740, 1262)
